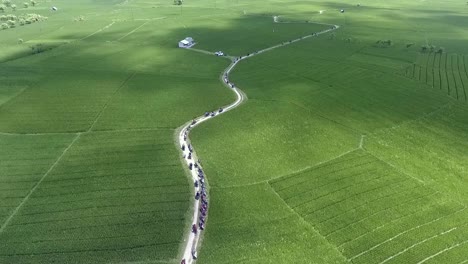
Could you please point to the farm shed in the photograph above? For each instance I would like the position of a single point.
(186, 43)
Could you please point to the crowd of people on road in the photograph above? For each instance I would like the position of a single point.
(195, 165)
(201, 196)
(200, 188)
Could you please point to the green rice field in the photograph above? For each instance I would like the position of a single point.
(351, 147)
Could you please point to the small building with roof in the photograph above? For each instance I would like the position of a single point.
(186, 43)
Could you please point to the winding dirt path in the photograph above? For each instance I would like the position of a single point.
(191, 159)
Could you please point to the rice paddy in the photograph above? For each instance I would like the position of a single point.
(351, 146)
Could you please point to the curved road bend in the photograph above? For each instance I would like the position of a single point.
(190, 157)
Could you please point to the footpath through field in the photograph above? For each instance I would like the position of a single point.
(200, 207)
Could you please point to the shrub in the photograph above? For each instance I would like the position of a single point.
(38, 48)
(2, 8)
(20, 41)
(384, 43)
(4, 26)
(26, 5)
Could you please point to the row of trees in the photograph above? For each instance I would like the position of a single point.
(424, 48)
(10, 21)
(8, 4)
(432, 48)
(384, 43)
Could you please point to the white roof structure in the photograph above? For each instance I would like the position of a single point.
(186, 43)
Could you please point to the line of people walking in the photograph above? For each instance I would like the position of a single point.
(194, 165)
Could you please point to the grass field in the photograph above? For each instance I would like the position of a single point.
(347, 149)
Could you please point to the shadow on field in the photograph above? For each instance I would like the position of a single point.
(311, 100)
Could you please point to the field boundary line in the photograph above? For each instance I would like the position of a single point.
(307, 213)
(98, 31)
(289, 174)
(315, 165)
(361, 143)
(87, 132)
(14, 96)
(418, 243)
(402, 233)
(37, 134)
(26, 198)
(376, 212)
(307, 223)
(460, 74)
(396, 168)
(380, 227)
(169, 261)
(399, 170)
(109, 100)
(446, 74)
(134, 30)
(190, 157)
(353, 130)
(422, 117)
(442, 251)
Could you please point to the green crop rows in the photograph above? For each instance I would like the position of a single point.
(351, 147)
(446, 72)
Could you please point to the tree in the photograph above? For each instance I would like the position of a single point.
(7, 3)
(11, 23)
(2, 8)
(26, 5)
(3, 18)
(33, 3)
(177, 2)
(4, 26)
(22, 22)
(384, 43)
(13, 7)
(441, 50)
(423, 48)
(38, 48)
(20, 41)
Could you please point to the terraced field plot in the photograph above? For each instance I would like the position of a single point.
(373, 213)
(114, 196)
(24, 161)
